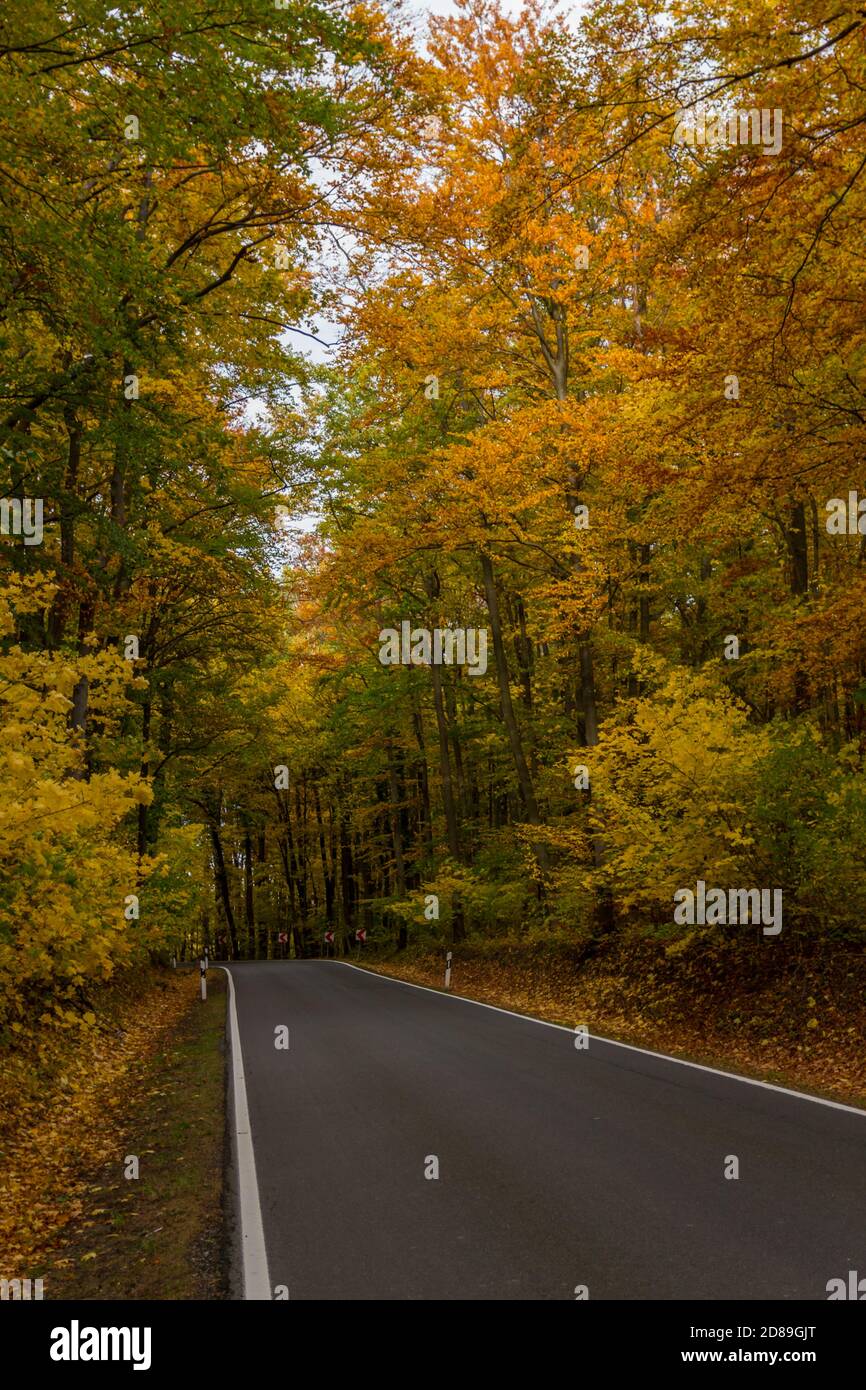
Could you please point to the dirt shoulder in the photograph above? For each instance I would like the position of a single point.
(147, 1083)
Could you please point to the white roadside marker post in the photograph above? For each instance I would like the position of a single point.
(448, 970)
(203, 968)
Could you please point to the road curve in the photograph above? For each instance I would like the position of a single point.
(558, 1167)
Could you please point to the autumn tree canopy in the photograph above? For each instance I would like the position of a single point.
(595, 287)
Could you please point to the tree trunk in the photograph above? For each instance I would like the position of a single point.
(524, 781)
(63, 597)
(394, 818)
(348, 892)
(249, 894)
(222, 883)
(327, 871)
(451, 827)
(798, 551)
(423, 781)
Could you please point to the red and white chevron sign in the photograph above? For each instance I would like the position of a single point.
(361, 935)
(329, 937)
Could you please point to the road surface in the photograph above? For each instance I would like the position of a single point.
(558, 1168)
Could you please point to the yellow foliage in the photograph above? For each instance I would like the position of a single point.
(65, 864)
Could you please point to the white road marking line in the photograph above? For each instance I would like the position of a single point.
(611, 1042)
(257, 1283)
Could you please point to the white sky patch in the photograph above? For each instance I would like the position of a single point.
(446, 7)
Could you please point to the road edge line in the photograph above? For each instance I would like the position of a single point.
(611, 1042)
(254, 1255)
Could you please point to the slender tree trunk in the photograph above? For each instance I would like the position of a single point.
(302, 862)
(348, 891)
(394, 815)
(423, 781)
(63, 597)
(394, 801)
(798, 550)
(555, 352)
(249, 894)
(454, 733)
(222, 883)
(263, 873)
(506, 703)
(451, 828)
(81, 692)
(327, 871)
(146, 713)
(644, 602)
(524, 780)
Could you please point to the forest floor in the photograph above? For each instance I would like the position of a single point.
(146, 1080)
(796, 1020)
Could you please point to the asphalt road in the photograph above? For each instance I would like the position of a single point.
(557, 1167)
